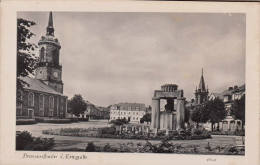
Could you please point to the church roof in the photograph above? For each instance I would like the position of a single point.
(38, 85)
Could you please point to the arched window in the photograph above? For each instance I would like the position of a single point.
(41, 101)
(51, 102)
(51, 105)
(42, 52)
(61, 106)
(41, 105)
(56, 56)
(19, 103)
(30, 99)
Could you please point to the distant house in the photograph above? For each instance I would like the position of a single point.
(94, 112)
(229, 96)
(132, 112)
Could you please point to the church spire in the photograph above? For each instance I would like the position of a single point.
(202, 82)
(50, 28)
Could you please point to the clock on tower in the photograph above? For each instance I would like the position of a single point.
(49, 70)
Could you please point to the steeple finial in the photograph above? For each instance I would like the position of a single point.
(50, 28)
(202, 71)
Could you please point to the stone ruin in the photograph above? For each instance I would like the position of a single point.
(172, 117)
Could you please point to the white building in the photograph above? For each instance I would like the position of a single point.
(132, 112)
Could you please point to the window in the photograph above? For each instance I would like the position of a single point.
(41, 105)
(51, 105)
(30, 99)
(58, 106)
(20, 99)
(61, 106)
(42, 52)
(51, 102)
(41, 101)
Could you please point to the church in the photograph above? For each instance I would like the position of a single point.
(42, 96)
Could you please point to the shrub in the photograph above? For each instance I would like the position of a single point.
(108, 130)
(25, 121)
(40, 144)
(236, 133)
(52, 120)
(90, 147)
(107, 148)
(119, 121)
(23, 139)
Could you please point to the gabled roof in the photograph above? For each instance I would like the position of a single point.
(38, 85)
(229, 92)
(217, 95)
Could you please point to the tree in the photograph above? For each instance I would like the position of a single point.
(146, 118)
(187, 115)
(26, 59)
(216, 111)
(77, 105)
(200, 114)
(119, 122)
(238, 109)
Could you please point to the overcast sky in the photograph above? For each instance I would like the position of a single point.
(123, 57)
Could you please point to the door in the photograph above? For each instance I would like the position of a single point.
(30, 113)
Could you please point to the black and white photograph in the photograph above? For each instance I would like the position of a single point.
(131, 82)
(140, 82)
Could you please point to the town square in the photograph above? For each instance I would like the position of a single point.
(131, 82)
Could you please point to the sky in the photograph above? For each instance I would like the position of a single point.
(123, 57)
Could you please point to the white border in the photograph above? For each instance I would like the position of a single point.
(8, 87)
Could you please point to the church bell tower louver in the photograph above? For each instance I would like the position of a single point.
(49, 69)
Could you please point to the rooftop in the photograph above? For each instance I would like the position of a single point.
(38, 85)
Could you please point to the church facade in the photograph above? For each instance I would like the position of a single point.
(42, 96)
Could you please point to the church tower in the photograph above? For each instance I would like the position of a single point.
(201, 94)
(49, 69)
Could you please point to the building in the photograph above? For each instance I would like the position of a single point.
(42, 95)
(229, 96)
(201, 97)
(132, 112)
(201, 94)
(93, 112)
